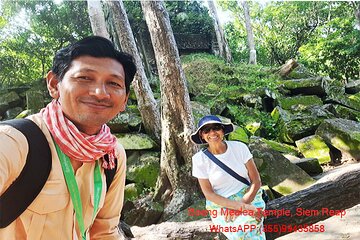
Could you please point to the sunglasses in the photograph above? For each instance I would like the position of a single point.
(207, 129)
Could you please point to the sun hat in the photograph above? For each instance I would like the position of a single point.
(210, 119)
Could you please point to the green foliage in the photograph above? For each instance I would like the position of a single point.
(247, 117)
(26, 51)
(185, 17)
(214, 82)
(189, 17)
(319, 34)
(337, 52)
(285, 26)
(135, 16)
(208, 69)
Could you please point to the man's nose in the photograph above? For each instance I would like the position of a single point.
(100, 91)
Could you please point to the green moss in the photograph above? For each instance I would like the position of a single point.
(275, 114)
(290, 102)
(140, 141)
(239, 134)
(131, 192)
(145, 174)
(211, 77)
(283, 190)
(253, 128)
(314, 147)
(299, 83)
(347, 113)
(281, 147)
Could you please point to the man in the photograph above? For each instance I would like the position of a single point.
(89, 83)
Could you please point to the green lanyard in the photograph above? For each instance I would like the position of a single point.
(74, 190)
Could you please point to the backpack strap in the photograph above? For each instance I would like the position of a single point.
(22, 192)
(33, 176)
(225, 167)
(109, 173)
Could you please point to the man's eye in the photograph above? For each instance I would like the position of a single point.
(84, 78)
(116, 84)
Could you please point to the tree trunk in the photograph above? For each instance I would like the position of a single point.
(224, 50)
(97, 18)
(286, 69)
(339, 190)
(249, 32)
(146, 102)
(357, 14)
(177, 121)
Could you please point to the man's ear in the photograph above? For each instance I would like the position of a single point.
(52, 85)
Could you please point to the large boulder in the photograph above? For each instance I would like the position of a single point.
(276, 171)
(283, 148)
(350, 101)
(294, 125)
(314, 147)
(289, 103)
(34, 100)
(199, 110)
(142, 213)
(145, 171)
(310, 165)
(341, 111)
(352, 87)
(8, 100)
(333, 87)
(343, 134)
(305, 86)
(13, 112)
(196, 211)
(127, 121)
(136, 141)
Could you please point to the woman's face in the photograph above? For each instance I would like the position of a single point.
(212, 133)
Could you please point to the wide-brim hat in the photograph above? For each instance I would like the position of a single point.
(210, 119)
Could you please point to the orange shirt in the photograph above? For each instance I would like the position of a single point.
(51, 214)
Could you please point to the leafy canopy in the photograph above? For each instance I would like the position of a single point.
(27, 50)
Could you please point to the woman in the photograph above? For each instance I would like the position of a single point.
(223, 192)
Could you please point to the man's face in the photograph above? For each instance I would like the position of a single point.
(91, 93)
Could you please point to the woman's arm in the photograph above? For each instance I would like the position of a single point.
(222, 201)
(255, 181)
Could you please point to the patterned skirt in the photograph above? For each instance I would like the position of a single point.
(245, 226)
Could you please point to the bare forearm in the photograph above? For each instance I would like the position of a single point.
(222, 201)
(251, 193)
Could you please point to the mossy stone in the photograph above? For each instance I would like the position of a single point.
(282, 147)
(343, 134)
(277, 171)
(131, 192)
(239, 134)
(136, 141)
(314, 147)
(291, 102)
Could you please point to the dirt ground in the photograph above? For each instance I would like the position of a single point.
(336, 228)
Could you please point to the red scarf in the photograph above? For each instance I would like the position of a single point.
(75, 144)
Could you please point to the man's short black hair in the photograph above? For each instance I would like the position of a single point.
(93, 46)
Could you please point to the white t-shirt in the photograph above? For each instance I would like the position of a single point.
(235, 157)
